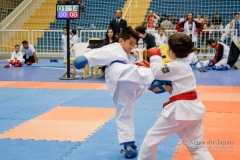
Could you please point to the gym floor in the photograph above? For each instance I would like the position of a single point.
(45, 118)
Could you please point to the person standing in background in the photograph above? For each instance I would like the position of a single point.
(118, 23)
(75, 39)
(64, 44)
(190, 27)
(151, 20)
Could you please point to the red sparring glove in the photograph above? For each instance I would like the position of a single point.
(11, 62)
(155, 51)
(17, 63)
(144, 64)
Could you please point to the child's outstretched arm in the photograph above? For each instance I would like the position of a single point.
(101, 56)
(80, 62)
(157, 86)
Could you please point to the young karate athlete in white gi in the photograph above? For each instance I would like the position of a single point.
(16, 58)
(193, 60)
(184, 112)
(125, 80)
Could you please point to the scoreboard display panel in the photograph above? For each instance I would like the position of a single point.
(67, 11)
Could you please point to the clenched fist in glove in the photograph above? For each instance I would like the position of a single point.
(157, 86)
(144, 64)
(80, 62)
(155, 51)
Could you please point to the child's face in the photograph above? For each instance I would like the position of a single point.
(17, 48)
(236, 17)
(65, 32)
(141, 35)
(161, 32)
(196, 52)
(128, 45)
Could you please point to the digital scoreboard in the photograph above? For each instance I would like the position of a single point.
(67, 11)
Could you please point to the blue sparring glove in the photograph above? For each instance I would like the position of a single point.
(221, 68)
(159, 83)
(80, 62)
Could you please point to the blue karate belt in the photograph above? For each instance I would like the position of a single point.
(117, 61)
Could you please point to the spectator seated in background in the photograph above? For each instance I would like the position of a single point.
(109, 38)
(174, 21)
(199, 18)
(16, 58)
(30, 55)
(148, 40)
(235, 24)
(160, 37)
(167, 24)
(227, 33)
(217, 21)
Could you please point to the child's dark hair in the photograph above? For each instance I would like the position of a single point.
(74, 31)
(127, 33)
(180, 44)
(17, 45)
(236, 13)
(141, 29)
(210, 41)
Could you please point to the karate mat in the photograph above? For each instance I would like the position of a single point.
(42, 117)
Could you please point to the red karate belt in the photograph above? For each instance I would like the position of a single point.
(183, 96)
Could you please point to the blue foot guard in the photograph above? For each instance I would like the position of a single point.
(129, 150)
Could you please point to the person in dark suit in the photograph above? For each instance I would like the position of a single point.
(118, 23)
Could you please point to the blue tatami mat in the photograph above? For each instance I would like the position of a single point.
(93, 98)
(218, 78)
(29, 103)
(11, 94)
(43, 71)
(19, 105)
(41, 63)
(8, 123)
(34, 150)
(105, 144)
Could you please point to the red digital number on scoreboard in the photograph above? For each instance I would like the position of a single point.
(72, 14)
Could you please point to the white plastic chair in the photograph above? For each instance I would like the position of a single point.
(79, 49)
